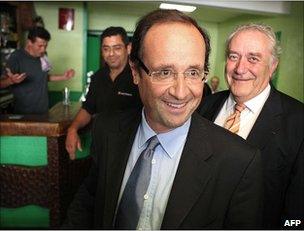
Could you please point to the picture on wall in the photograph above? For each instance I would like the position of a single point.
(66, 19)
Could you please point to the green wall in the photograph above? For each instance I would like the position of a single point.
(104, 14)
(290, 72)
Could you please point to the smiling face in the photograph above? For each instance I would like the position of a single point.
(249, 64)
(114, 52)
(175, 46)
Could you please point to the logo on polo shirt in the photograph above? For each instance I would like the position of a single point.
(124, 93)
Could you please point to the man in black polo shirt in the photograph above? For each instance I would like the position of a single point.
(111, 89)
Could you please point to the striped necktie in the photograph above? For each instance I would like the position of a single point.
(232, 123)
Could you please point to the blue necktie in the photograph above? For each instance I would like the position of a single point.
(132, 199)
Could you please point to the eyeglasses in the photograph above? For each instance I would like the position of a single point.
(168, 75)
(115, 48)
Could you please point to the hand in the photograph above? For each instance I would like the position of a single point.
(72, 142)
(15, 78)
(68, 74)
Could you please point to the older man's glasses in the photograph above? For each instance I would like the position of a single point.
(168, 75)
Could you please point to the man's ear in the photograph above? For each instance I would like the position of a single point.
(129, 47)
(273, 67)
(135, 73)
(29, 42)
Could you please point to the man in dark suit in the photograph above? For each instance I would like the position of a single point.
(270, 120)
(161, 167)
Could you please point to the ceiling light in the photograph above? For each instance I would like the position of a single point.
(183, 8)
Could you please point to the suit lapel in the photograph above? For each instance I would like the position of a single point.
(212, 113)
(268, 122)
(191, 178)
(119, 144)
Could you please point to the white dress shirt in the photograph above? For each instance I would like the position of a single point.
(164, 166)
(248, 115)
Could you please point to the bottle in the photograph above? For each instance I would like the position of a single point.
(87, 86)
(66, 96)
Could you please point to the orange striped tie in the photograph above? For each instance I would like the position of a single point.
(233, 121)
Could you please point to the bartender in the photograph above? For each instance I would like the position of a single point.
(27, 73)
(112, 88)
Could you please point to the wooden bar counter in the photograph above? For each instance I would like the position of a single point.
(38, 180)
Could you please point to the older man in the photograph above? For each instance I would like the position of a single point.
(266, 118)
(159, 167)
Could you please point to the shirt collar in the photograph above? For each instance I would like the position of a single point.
(230, 102)
(253, 104)
(257, 102)
(170, 141)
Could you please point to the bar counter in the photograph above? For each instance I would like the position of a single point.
(53, 124)
(38, 180)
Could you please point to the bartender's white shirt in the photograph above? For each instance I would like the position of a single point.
(248, 115)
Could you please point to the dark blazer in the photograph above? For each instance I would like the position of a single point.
(278, 133)
(217, 185)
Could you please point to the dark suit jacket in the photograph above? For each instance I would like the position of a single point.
(217, 185)
(278, 133)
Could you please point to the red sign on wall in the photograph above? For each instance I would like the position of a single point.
(66, 19)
